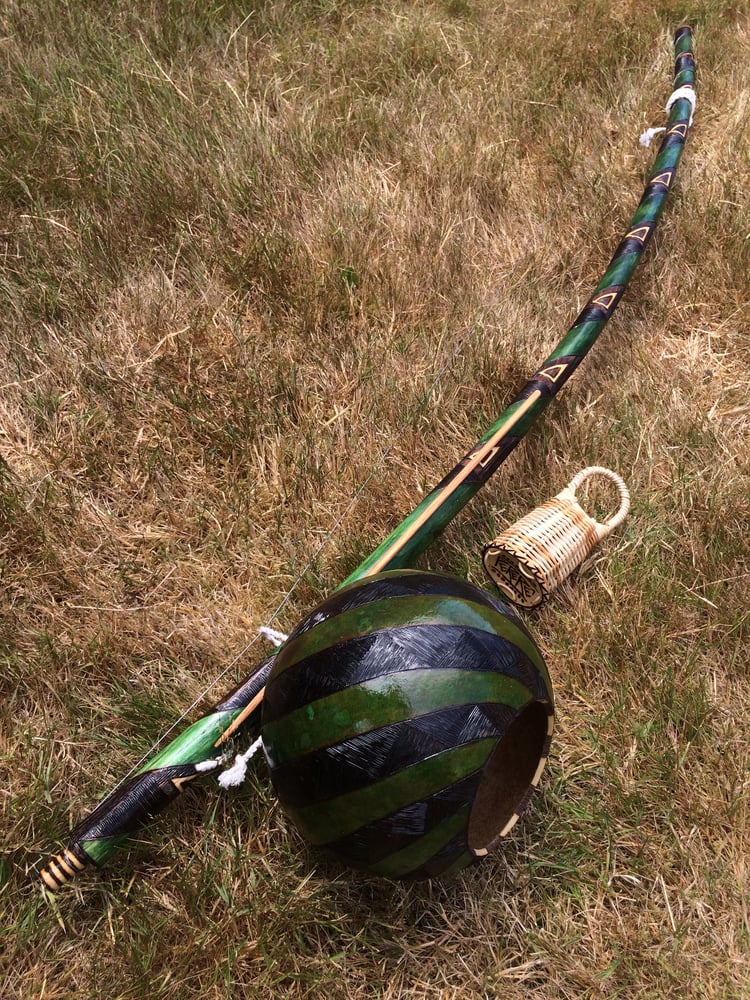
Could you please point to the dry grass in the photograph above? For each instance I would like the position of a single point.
(239, 246)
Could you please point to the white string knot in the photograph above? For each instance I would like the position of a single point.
(236, 774)
(209, 765)
(685, 93)
(272, 635)
(649, 134)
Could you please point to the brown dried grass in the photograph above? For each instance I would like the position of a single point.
(240, 248)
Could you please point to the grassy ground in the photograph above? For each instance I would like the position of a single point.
(240, 243)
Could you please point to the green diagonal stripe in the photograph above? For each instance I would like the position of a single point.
(99, 850)
(383, 701)
(402, 862)
(395, 612)
(327, 821)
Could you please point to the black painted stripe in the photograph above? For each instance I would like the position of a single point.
(412, 647)
(599, 312)
(323, 774)
(330, 821)
(636, 240)
(401, 613)
(380, 702)
(412, 859)
(446, 864)
(673, 139)
(394, 584)
(397, 831)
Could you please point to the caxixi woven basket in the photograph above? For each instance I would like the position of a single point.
(532, 557)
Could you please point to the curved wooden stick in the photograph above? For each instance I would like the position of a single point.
(162, 778)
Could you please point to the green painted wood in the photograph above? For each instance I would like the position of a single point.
(409, 858)
(400, 612)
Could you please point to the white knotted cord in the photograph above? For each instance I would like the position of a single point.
(236, 774)
(686, 93)
(273, 635)
(470, 333)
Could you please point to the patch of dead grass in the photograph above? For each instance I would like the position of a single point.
(240, 249)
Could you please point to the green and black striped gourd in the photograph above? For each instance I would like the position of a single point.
(406, 723)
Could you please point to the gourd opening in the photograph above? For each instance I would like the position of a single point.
(510, 777)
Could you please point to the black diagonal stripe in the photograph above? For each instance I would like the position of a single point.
(673, 139)
(395, 584)
(634, 244)
(545, 387)
(444, 859)
(327, 773)
(383, 837)
(593, 312)
(141, 795)
(393, 651)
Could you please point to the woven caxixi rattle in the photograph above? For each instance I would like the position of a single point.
(532, 557)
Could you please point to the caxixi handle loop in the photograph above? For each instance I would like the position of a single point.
(617, 518)
(532, 557)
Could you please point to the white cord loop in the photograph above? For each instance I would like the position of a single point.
(236, 774)
(649, 134)
(209, 765)
(685, 93)
(272, 635)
